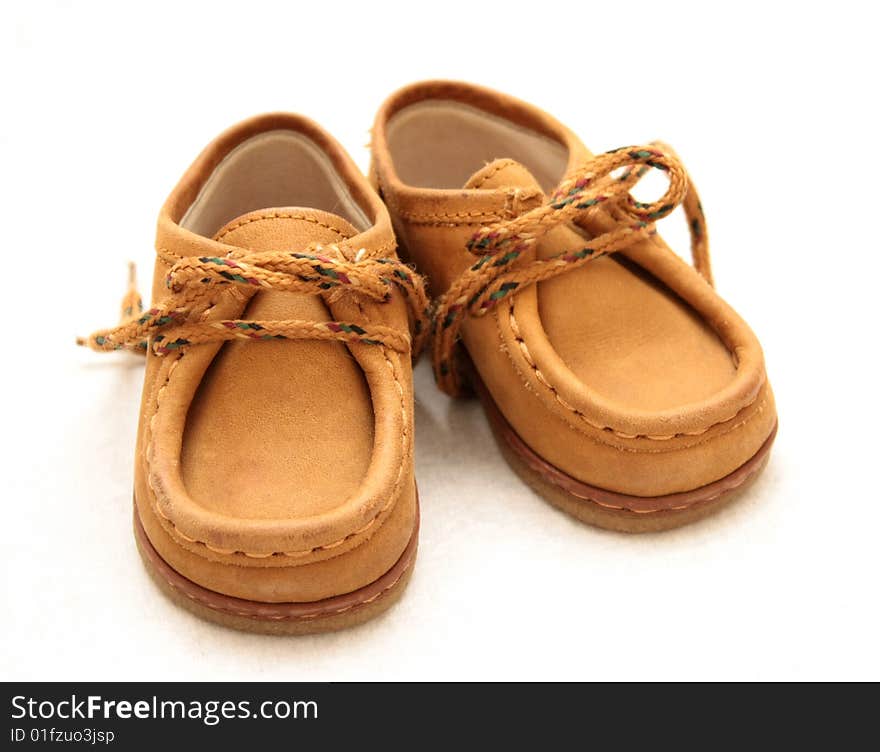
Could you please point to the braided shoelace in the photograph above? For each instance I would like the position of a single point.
(605, 180)
(194, 284)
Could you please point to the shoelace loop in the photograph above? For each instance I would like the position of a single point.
(194, 284)
(604, 181)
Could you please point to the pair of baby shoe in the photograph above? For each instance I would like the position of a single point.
(274, 487)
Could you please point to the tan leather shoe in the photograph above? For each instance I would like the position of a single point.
(274, 487)
(619, 384)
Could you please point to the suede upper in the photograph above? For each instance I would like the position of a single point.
(277, 471)
(630, 373)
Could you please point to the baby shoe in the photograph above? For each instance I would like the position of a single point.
(274, 487)
(618, 383)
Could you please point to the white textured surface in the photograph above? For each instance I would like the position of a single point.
(104, 110)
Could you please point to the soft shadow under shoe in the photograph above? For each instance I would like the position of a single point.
(619, 384)
(274, 487)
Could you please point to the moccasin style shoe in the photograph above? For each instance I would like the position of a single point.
(618, 383)
(274, 487)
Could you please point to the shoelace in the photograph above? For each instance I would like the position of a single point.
(194, 285)
(595, 184)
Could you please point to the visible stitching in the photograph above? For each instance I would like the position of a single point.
(429, 223)
(542, 379)
(466, 218)
(605, 505)
(165, 253)
(605, 178)
(150, 450)
(436, 219)
(383, 249)
(504, 164)
(450, 217)
(285, 617)
(291, 554)
(170, 258)
(264, 217)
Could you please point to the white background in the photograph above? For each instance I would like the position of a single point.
(773, 109)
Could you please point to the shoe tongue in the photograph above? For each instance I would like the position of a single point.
(287, 229)
(503, 173)
(507, 174)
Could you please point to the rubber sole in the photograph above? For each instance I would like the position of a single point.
(608, 509)
(327, 615)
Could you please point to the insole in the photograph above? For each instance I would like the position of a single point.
(276, 168)
(440, 143)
